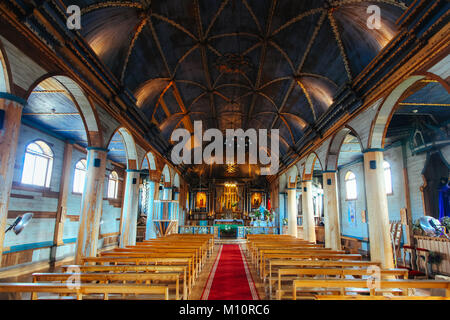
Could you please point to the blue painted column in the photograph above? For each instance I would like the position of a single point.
(150, 229)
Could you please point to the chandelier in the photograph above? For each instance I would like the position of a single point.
(230, 185)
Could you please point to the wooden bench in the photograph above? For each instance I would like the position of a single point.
(146, 269)
(84, 289)
(341, 273)
(144, 261)
(190, 256)
(320, 251)
(137, 278)
(340, 285)
(274, 265)
(304, 256)
(256, 250)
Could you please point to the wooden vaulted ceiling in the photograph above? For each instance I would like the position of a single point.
(179, 58)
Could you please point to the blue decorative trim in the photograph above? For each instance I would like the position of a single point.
(70, 240)
(97, 149)
(329, 171)
(374, 150)
(133, 170)
(9, 96)
(28, 246)
(359, 160)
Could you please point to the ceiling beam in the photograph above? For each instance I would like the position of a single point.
(205, 63)
(261, 59)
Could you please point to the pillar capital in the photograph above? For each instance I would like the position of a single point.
(99, 149)
(133, 171)
(370, 150)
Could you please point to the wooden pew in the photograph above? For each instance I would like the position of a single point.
(146, 269)
(274, 265)
(200, 252)
(256, 249)
(320, 251)
(84, 289)
(327, 272)
(144, 261)
(208, 239)
(340, 285)
(137, 278)
(304, 256)
(190, 256)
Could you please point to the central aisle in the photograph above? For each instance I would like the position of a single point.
(230, 278)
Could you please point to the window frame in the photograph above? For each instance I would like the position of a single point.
(390, 177)
(346, 182)
(74, 174)
(116, 185)
(48, 156)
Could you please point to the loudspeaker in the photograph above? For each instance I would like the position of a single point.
(2, 118)
(329, 182)
(97, 162)
(373, 164)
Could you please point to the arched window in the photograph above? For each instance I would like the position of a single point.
(113, 183)
(79, 176)
(350, 186)
(387, 177)
(38, 163)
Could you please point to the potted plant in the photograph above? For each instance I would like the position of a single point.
(445, 221)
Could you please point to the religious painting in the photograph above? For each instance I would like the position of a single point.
(351, 211)
(256, 200)
(200, 201)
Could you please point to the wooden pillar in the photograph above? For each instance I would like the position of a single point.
(62, 202)
(9, 134)
(378, 214)
(292, 211)
(91, 204)
(155, 177)
(309, 227)
(409, 220)
(130, 209)
(331, 211)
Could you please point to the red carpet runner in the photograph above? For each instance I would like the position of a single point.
(230, 278)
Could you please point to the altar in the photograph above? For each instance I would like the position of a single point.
(229, 228)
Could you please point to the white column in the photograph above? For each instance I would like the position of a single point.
(377, 207)
(130, 209)
(91, 204)
(309, 227)
(331, 211)
(292, 211)
(9, 134)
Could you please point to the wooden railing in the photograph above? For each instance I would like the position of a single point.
(242, 232)
(440, 245)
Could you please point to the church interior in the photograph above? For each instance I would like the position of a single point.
(353, 94)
